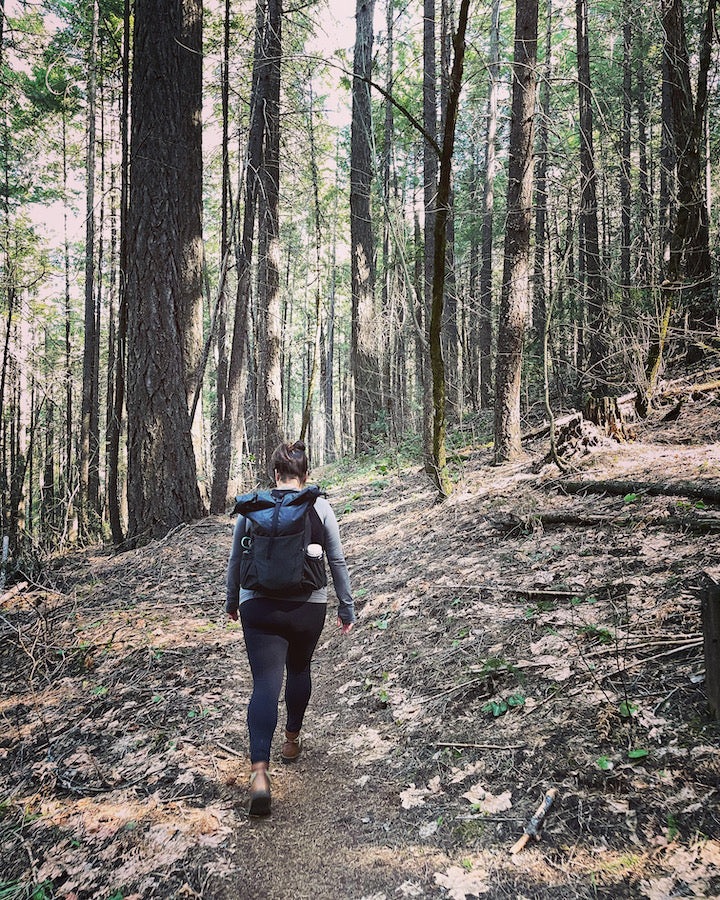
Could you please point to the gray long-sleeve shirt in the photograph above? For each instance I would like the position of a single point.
(333, 552)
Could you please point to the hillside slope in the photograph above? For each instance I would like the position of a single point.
(494, 658)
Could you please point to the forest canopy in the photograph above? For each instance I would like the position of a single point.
(226, 224)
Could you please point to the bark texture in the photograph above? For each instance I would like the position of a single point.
(689, 260)
(228, 427)
(443, 212)
(517, 262)
(488, 203)
(364, 343)
(164, 264)
(594, 290)
(269, 401)
(430, 169)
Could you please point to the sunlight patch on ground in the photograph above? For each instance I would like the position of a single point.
(167, 831)
(367, 746)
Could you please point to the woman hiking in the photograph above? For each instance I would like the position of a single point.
(281, 632)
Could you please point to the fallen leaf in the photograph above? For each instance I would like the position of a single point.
(657, 888)
(460, 883)
(428, 829)
(487, 802)
(413, 797)
(434, 785)
(411, 889)
(368, 745)
(459, 775)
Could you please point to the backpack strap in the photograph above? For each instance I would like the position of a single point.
(317, 529)
(246, 540)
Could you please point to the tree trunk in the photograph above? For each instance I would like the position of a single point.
(5, 473)
(329, 393)
(588, 202)
(94, 473)
(516, 270)
(418, 311)
(69, 470)
(21, 417)
(364, 346)
(472, 339)
(315, 359)
(487, 212)
(625, 161)
(269, 318)
(645, 241)
(48, 507)
(450, 329)
(668, 168)
(115, 422)
(164, 264)
(430, 164)
(234, 392)
(443, 212)
(687, 252)
(690, 264)
(112, 327)
(225, 236)
(540, 305)
(91, 337)
(388, 330)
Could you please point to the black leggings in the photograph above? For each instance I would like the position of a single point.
(280, 635)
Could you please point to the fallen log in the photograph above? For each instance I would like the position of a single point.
(696, 490)
(695, 522)
(689, 390)
(545, 427)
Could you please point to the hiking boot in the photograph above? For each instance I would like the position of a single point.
(292, 747)
(259, 794)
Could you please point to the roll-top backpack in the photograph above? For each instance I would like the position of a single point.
(282, 545)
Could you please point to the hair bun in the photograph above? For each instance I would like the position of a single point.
(290, 461)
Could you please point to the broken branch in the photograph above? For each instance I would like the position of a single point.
(532, 829)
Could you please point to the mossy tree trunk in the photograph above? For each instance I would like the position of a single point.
(440, 473)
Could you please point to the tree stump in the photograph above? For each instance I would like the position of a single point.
(711, 638)
(605, 412)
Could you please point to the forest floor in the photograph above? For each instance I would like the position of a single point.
(489, 665)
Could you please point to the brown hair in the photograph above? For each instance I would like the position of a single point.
(290, 461)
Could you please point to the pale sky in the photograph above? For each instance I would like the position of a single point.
(337, 32)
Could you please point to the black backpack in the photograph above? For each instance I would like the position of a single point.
(280, 526)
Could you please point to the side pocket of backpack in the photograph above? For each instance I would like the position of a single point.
(248, 572)
(314, 573)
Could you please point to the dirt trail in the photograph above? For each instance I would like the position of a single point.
(486, 667)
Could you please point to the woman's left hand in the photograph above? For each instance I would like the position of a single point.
(346, 626)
